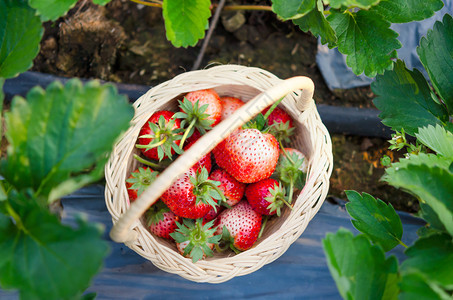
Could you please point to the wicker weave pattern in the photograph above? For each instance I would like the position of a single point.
(311, 138)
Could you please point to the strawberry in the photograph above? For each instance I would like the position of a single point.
(240, 226)
(205, 161)
(213, 213)
(212, 99)
(229, 106)
(138, 181)
(278, 115)
(248, 155)
(160, 136)
(280, 124)
(161, 220)
(200, 111)
(193, 194)
(231, 188)
(195, 240)
(266, 197)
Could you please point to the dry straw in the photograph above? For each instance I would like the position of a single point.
(259, 89)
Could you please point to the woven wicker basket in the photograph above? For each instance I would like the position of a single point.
(259, 89)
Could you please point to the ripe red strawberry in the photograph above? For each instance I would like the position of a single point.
(266, 197)
(232, 189)
(138, 181)
(248, 155)
(205, 161)
(160, 136)
(278, 115)
(192, 195)
(213, 213)
(212, 99)
(230, 105)
(242, 224)
(161, 220)
(195, 240)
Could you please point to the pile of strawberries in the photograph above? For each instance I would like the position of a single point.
(226, 198)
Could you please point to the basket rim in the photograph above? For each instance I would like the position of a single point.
(310, 115)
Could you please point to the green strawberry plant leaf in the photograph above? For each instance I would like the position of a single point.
(428, 159)
(415, 285)
(366, 39)
(43, 258)
(377, 220)
(435, 189)
(436, 54)
(292, 9)
(432, 256)
(51, 9)
(20, 34)
(359, 268)
(406, 100)
(434, 225)
(185, 20)
(403, 11)
(2, 97)
(317, 24)
(59, 138)
(356, 3)
(437, 139)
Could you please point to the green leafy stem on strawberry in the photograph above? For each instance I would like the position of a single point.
(194, 239)
(206, 190)
(163, 135)
(195, 117)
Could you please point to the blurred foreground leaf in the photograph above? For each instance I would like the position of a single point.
(59, 138)
(43, 258)
(20, 34)
(360, 270)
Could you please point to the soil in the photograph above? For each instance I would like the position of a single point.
(125, 42)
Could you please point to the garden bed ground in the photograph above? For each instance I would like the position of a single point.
(125, 42)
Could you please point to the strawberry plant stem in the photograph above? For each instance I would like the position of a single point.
(226, 8)
(186, 133)
(286, 153)
(16, 218)
(290, 193)
(219, 191)
(212, 26)
(270, 110)
(263, 225)
(403, 244)
(151, 146)
(148, 163)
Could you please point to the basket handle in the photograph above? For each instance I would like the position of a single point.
(121, 231)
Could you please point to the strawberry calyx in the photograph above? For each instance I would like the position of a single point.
(277, 199)
(199, 237)
(141, 179)
(226, 242)
(206, 190)
(260, 121)
(282, 132)
(289, 171)
(163, 137)
(155, 213)
(195, 117)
